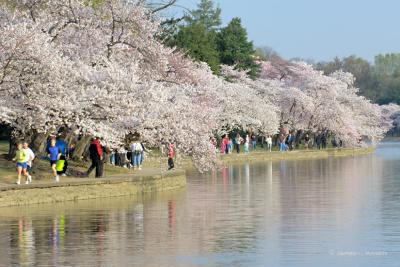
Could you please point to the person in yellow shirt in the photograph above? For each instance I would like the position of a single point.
(21, 158)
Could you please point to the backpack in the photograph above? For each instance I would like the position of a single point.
(138, 148)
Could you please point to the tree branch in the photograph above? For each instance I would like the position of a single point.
(164, 6)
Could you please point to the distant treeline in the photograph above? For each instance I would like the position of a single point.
(379, 82)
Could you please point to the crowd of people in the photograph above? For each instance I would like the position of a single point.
(285, 141)
(58, 153)
(132, 156)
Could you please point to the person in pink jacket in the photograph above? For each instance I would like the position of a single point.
(171, 156)
(225, 145)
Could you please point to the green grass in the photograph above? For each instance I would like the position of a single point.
(41, 168)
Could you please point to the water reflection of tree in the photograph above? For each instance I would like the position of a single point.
(323, 202)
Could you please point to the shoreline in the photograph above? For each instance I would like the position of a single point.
(264, 155)
(89, 188)
(134, 185)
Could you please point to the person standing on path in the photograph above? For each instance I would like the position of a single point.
(307, 142)
(254, 141)
(246, 144)
(318, 141)
(171, 156)
(21, 159)
(268, 140)
(137, 150)
(324, 140)
(225, 145)
(54, 153)
(96, 155)
(30, 157)
(238, 141)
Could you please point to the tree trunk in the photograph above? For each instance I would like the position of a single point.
(12, 147)
(81, 148)
(299, 137)
(38, 142)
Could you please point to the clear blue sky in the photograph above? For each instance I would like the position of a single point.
(317, 29)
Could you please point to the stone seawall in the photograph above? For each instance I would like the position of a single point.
(84, 189)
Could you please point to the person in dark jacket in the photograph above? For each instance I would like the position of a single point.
(171, 156)
(96, 155)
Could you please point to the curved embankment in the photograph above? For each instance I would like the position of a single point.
(84, 189)
(72, 189)
(262, 155)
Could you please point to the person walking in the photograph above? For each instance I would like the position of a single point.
(318, 141)
(137, 150)
(238, 141)
(30, 157)
(307, 141)
(324, 140)
(225, 145)
(96, 155)
(246, 144)
(171, 156)
(54, 153)
(268, 140)
(21, 159)
(254, 141)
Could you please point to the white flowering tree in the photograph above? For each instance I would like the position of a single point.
(102, 69)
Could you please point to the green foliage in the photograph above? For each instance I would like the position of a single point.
(379, 82)
(202, 39)
(235, 49)
(387, 65)
(199, 43)
(197, 36)
(207, 14)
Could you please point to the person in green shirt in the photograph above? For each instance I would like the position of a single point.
(21, 158)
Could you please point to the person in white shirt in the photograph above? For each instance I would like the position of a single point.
(269, 143)
(137, 150)
(30, 156)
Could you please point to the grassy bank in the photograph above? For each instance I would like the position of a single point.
(41, 171)
(156, 164)
(117, 182)
(263, 155)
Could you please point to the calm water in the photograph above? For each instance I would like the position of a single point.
(334, 212)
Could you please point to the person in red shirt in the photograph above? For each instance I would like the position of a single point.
(225, 143)
(96, 155)
(171, 156)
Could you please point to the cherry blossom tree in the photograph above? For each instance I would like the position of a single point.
(103, 70)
